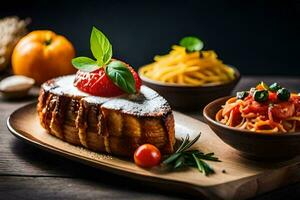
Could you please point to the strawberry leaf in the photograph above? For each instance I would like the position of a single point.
(121, 76)
(85, 64)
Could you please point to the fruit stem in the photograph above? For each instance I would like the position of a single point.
(48, 41)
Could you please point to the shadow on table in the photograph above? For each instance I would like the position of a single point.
(47, 164)
(50, 165)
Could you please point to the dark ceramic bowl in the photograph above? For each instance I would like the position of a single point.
(250, 144)
(184, 97)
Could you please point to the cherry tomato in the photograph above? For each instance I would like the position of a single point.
(283, 110)
(236, 116)
(255, 107)
(272, 96)
(147, 155)
(296, 102)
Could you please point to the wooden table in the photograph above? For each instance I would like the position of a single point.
(27, 172)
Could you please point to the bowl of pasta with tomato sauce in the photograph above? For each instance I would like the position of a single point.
(189, 77)
(263, 122)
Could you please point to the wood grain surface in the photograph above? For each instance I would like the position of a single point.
(29, 173)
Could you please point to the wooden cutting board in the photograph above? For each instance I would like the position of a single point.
(235, 177)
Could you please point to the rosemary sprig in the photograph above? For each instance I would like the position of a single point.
(184, 157)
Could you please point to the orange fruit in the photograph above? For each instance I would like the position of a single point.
(43, 55)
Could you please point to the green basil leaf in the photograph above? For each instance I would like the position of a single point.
(95, 45)
(121, 76)
(85, 64)
(100, 47)
(107, 55)
(191, 43)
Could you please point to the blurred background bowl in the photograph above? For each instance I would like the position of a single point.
(259, 146)
(183, 97)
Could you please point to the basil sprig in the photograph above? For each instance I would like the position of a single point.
(101, 49)
(191, 43)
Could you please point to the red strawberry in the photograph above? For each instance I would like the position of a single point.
(97, 83)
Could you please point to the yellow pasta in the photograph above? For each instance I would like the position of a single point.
(181, 67)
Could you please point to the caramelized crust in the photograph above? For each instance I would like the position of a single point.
(113, 125)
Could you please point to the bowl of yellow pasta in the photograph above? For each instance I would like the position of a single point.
(189, 78)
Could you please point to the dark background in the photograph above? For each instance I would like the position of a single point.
(258, 37)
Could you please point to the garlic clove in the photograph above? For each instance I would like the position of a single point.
(16, 86)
